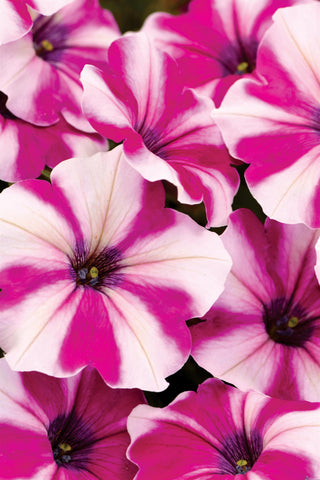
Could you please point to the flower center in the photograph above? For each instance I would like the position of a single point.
(71, 441)
(88, 277)
(102, 270)
(239, 453)
(242, 466)
(49, 37)
(61, 453)
(239, 58)
(287, 324)
(43, 47)
(242, 68)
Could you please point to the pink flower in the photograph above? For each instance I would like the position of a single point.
(25, 148)
(66, 429)
(15, 18)
(95, 271)
(264, 330)
(274, 123)
(41, 74)
(40, 87)
(216, 41)
(168, 132)
(222, 433)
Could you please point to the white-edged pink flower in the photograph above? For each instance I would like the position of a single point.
(41, 70)
(168, 132)
(223, 433)
(94, 270)
(15, 18)
(41, 119)
(216, 41)
(264, 330)
(274, 124)
(64, 429)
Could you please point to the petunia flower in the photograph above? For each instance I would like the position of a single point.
(264, 330)
(168, 133)
(223, 433)
(273, 124)
(15, 18)
(94, 270)
(66, 429)
(42, 69)
(40, 87)
(25, 148)
(216, 41)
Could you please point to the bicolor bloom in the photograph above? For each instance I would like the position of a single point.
(41, 70)
(221, 432)
(40, 87)
(264, 330)
(66, 429)
(25, 148)
(15, 18)
(168, 132)
(94, 270)
(274, 124)
(216, 41)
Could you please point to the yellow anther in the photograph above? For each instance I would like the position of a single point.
(242, 67)
(94, 272)
(65, 447)
(293, 322)
(46, 45)
(242, 463)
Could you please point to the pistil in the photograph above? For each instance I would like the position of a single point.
(44, 47)
(99, 270)
(286, 323)
(61, 453)
(242, 466)
(242, 68)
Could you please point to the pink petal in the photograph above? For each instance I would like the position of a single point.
(17, 460)
(47, 7)
(28, 82)
(15, 20)
(25, 148)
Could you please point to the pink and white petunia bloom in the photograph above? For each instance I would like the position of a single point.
(40, 91)
(41, 70)
(168, 133)
(274, 124)
(64, 429)
(94, 270)
(264, 330)
(223, 433)
(15, 18)
(216, 41)
(25, 148)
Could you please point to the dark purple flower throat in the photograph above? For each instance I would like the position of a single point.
(287, 323)
(71, 441)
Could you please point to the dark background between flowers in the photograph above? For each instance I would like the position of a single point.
(130, 15)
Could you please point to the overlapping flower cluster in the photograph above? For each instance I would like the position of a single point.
(99, 277)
